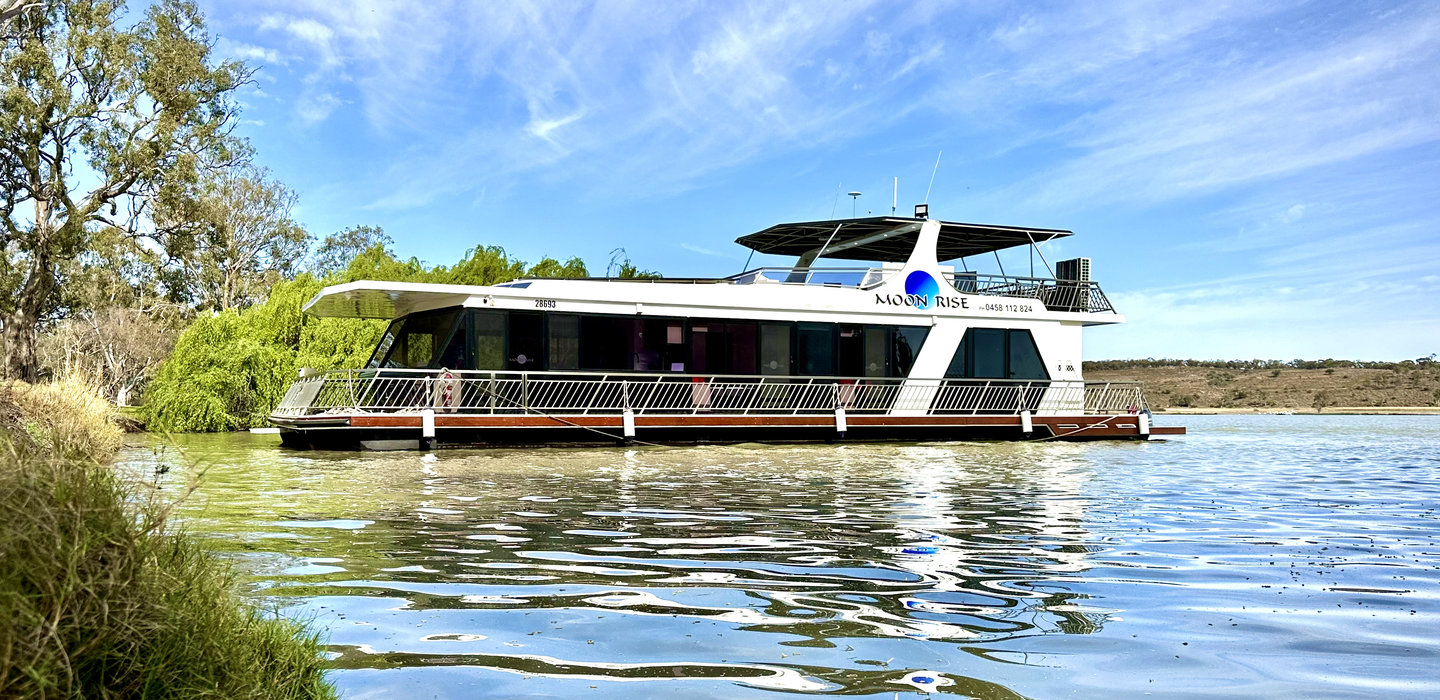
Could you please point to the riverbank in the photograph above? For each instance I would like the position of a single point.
(1330, 411)
(1178, 389)
(99, 595)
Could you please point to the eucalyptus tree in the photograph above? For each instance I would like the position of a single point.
(239, 239)
(98, 123)
(338, 249)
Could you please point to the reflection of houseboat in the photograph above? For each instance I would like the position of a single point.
(907, 350)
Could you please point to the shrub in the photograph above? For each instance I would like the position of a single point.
(1216, 378)
(1183, 400)
(67, 418)
(218, 378)
(97, 600)
(229, 370)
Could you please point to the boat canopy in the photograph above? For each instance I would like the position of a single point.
(889, 238)
(385, 300)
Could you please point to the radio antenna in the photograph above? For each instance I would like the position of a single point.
(895, 198)
(838, 189)
(932, 176)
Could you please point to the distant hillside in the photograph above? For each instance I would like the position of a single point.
(1277, 386)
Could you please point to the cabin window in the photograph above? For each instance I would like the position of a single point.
(997, 353)
(606, 342)
(659, 346)
(488, 329)
(415, 341)
(387, 341)
(525, 341)
(875, 356)
(744, 347)
(564, 341)
(816, 348)
(1024, 357)
(905, 348)
(775, 348)
(707, 348)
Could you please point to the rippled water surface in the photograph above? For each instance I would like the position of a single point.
(1289, 556)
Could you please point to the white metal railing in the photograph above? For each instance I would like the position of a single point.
(585, 393)
(1055, 294)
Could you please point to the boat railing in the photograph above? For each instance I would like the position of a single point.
(1055, 294)
(349, 392)
(856, 277)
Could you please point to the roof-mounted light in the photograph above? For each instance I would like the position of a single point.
(922, 211)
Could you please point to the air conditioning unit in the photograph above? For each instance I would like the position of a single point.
(1073, 284)
(1077, 269)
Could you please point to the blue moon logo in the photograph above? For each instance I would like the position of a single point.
(922, 287)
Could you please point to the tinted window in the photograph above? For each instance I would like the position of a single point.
(997, 353)
(986, 349)
(905, 348)
(775, 348)
(1024, 357)
(816, 349)
(417, 338)
(488, 329)
(564, 341)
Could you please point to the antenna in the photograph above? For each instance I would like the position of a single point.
(932, 175)
(839, 187)
(895, 198)
(854, 197)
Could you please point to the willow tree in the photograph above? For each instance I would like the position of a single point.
(98, 122)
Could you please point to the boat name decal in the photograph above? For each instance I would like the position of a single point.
(922, 292)
(923, 301)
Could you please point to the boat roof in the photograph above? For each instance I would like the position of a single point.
(890, 238)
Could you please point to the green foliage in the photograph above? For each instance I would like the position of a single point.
(481, 265)
(338, 249)
(229, 370)
(218, 378)
(97, 118)
(98, 600)
(550, 268)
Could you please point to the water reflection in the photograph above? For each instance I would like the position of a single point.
(728, 571)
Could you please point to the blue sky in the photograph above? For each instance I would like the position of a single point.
(1249, 179)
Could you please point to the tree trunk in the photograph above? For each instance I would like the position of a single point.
(20, 345)
(23, 324)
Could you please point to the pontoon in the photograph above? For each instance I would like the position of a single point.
(903, 346)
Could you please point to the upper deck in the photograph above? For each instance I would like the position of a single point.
(910, 277)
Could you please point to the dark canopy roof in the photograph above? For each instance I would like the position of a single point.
(890, 238)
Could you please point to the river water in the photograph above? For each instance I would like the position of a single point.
(1276, 556)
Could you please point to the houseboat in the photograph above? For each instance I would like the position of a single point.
(901, 341)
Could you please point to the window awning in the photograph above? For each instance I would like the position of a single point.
(890, 238)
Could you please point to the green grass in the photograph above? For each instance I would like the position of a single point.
(99, 600)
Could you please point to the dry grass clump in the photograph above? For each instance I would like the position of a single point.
(97, 600)
(68, 418)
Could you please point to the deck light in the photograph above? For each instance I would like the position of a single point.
(922, 211)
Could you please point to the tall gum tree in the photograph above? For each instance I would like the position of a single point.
(98, 123)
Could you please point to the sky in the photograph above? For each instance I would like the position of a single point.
(1250, 180)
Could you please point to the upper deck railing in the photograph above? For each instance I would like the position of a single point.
(347, 392)
(1055, 294)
